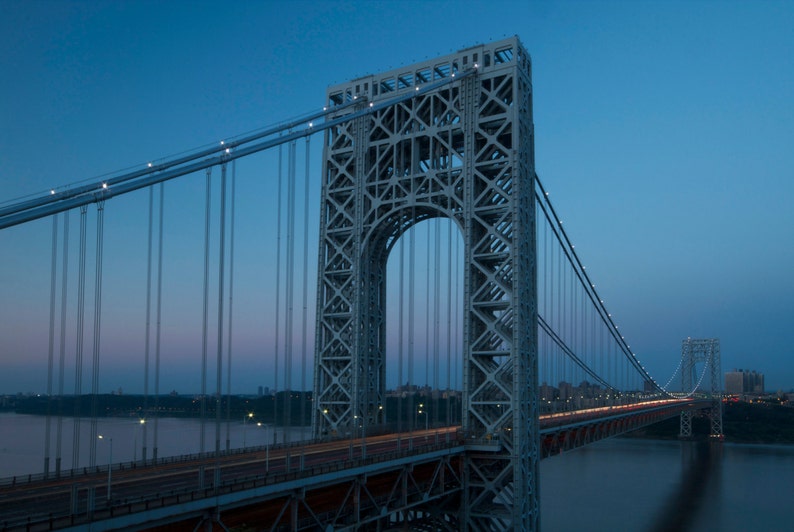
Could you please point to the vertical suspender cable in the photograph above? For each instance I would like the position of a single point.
(219, 353)
(231, 294)
(428, 320)
(304, 331)
(51, 350)
(590, 336)
(411, 324)
(290, 288)
(400, 336)
(62, 357)
(100, 227)
(449, 321)
(458, 316)
(147, 343)
(568, 329)
(205, 316)
(558, 304)
(436, 319)
(78, 365)
(574, 330)
(278, 292)
(545, 357)
(158, 324)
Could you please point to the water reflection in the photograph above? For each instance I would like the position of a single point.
(700, 461)
(660, 486)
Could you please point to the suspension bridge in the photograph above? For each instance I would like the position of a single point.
(458, 338)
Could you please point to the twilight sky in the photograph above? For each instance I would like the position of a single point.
(664, 134)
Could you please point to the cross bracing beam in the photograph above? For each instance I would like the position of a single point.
(60, 201)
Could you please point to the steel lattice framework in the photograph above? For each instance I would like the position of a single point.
(463, 151)
(706, 351)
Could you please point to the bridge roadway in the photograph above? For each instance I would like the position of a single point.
(263, 484)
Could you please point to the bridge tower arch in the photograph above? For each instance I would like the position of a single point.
(451, 137)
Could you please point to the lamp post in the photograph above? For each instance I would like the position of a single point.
(246, 418)
(421, 406)
(110, 465)
(141, 423)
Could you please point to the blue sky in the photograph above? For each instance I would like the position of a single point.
(663, 134)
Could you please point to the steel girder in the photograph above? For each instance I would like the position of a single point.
(708, 352)
(465, 152)
(379, 501)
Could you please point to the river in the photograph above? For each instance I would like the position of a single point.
(667, 486)
(617, 484)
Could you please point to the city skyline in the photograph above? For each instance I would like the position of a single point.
(662, 134)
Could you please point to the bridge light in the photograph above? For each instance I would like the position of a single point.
(149, 165)
(222, 143)
(104, 185)
(311, 124)
(228, 150)
(371, 104)
(52, 191)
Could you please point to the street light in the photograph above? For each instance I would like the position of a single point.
(421, 406)
(110, 464)
(246, 418)
(141, 423)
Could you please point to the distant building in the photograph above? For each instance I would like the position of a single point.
(742, 381)
(734, 383)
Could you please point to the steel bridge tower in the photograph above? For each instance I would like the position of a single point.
(708, 352)
(460, 146)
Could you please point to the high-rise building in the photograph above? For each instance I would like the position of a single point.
(741, 381)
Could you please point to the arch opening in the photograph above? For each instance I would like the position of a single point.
(424, 325)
